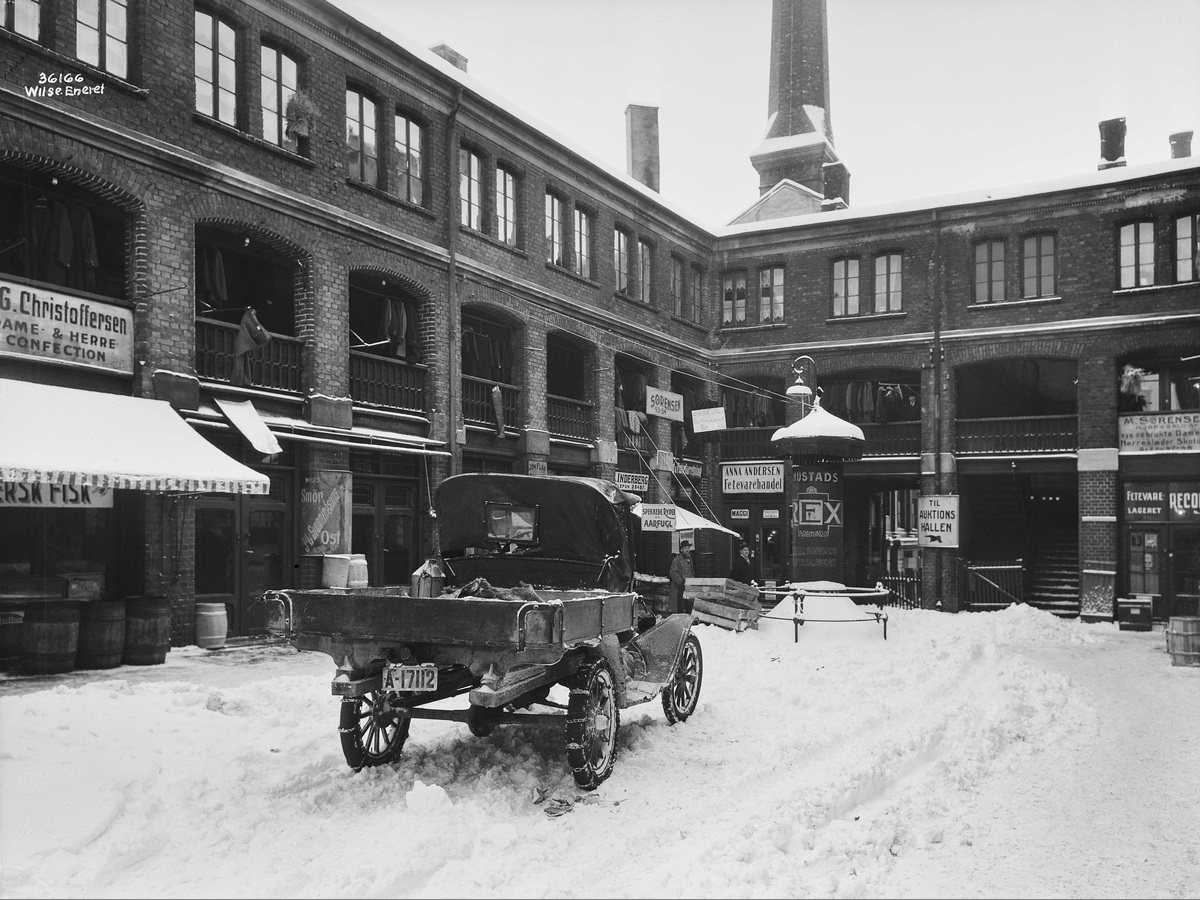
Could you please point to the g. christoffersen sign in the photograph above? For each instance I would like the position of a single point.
(664, 404)
(658, 517)
(937, 521)
(62, 328)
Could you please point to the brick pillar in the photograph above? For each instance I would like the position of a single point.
(1098, 466)
(940, 569)
(604, 456)
(534, 446)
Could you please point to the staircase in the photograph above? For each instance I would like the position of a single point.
(1053, 572)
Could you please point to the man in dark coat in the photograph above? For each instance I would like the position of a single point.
(741, 570)
(681, 570)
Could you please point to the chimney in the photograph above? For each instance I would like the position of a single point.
(1112, 143)
(1181, 145)
(641, 144)
(450, 55)
(836, 180)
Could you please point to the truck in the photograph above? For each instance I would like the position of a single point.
(537, 590)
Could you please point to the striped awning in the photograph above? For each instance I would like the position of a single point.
(57, 435)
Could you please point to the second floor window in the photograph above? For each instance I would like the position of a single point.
(770, 294)
(506, 206)
(470, 200)
(1187, 248)
(279, 75)
(645, 271)
(1037, 260)
(889, 285)
(677, 285)
(733, 298)
(554, 231)
(845, 288)
(583, 244)
(216, 68)
(408, 182)
(1137, 254)
(989, 271)
(362, 154)
(621, 260)
(24, 17)
(695, 292)
(100, 35)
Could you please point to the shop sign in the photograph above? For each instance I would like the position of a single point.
(817, 516)
(658, 517)
(538, 467)
(770, 514)
(739, 514)
(1184, 501)
(937, 520)
(635, 482)
(325, 513)
(1163, 433)
(712, 419)
(1145, 502)
(752, 478)
(59, 496)
(690, 469)
(664, 404)
(57, 326)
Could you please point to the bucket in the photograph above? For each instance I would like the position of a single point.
(212, 624)
(335, 570)
(101, 634)
(356, 574)
(50, 637)
(147, 631)
(1183, 640)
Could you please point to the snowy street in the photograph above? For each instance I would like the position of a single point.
(1008, 754)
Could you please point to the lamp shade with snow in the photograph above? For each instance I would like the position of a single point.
(820, 436)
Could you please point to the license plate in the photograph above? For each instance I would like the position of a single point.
(423, 677)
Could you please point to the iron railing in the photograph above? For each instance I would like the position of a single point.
(569, 418)
(904, 589)
(276, 364)
(477, 402)
(390, 383)
(993, 585)
(1025, 434)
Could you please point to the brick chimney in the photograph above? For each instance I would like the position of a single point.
(1181, 145)
(837, 186)
(450, 55)
(1112, 143)
(641, 144)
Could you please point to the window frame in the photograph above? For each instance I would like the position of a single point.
(282, 94)
(470, 188)
(677, 286)
(892, 277)
(33, 9)
(1134, 241)
(556, 230)
(733, 298)
(621, 273)
(216, 91)
(695, 293)
(990, 281)
(845, 280)
(770, 294)
(1187, 249)
(105, 38)
(582, 242)
(409, 183)
(357, 170)
(507, 195)
(645, 283)
(1039, 275)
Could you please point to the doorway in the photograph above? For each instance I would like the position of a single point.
(383, 529)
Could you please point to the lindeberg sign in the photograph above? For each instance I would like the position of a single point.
(752, 478)
(60, 327)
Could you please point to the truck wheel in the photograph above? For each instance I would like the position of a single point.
(679, 698)
(592, 722)
(372, 734)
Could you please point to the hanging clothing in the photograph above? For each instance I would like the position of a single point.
(85, 259)
(49, 241)
(250, 335)
(395, 327)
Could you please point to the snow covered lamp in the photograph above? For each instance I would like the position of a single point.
(818, 444)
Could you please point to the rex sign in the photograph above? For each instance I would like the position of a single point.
(817, 520)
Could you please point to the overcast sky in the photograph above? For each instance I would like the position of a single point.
(928, 97)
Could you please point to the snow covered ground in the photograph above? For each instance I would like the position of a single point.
(1007, 754)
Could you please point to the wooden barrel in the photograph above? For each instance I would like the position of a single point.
(50, 636)
(1183, 640)
(101, 634)
(147, 631)
(212, 624)
(356, 572)
(12, 621)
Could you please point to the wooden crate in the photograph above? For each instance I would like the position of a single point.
(733, 618)
(722, 590)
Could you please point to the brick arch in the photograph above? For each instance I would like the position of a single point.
(1044, 348)
(102, 188)
(1139, 342)
(407, 282)
(257, 231)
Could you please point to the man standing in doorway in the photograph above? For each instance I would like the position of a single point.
(681, 570)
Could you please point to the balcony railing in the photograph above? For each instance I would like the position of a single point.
(390, 383)
(273, 365)
(477, 402)
(1027, 434)
(569, 418)
(627, 440)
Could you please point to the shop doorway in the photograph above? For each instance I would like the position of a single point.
(244, 547)
(1163, 563)
(384, 530)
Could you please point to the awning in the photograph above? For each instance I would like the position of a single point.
(56, 435)
(245, 418)
(686, 520)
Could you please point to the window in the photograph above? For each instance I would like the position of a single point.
(845, 287)
(470, 181)
(1038, 262)
(279, 81)
(409, 139)
(1187, 248)
(583, 244)
(645, 271)
(1137, 254)
(506, 206)
(100, 36)
(216, 68)
(989, 272)
(695, 292)
(508, 524)
(889, 296)
(677, 284)
(362, 155)
(621, 260)
(554, 230)
(770, 295)
(24, 17)
(733, 298)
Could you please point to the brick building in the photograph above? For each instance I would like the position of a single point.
(352, 270)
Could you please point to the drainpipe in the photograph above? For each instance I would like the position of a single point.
(454, 388)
